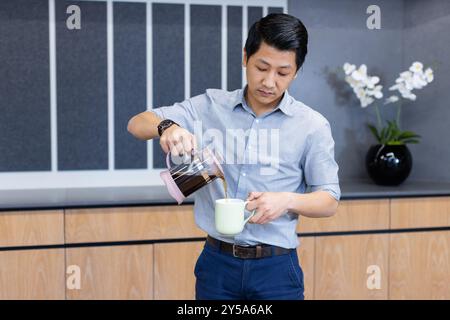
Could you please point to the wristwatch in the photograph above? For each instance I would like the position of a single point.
(163, 125)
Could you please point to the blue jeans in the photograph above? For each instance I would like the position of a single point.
(220, 276)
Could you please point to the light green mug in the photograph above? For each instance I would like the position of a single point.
(230, 216)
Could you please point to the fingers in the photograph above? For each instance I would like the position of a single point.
(251, 205)
(176, 148)
(254, 195)
(186, 143)
(259, 215)
(178, 141)
(164, 145)
(259, 218)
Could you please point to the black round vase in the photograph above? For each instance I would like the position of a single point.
(388, 165)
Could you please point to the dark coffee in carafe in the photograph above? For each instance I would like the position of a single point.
(184, 179)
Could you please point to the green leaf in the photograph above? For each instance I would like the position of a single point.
(374, 131)
(411, 141)
(394, 143)
(408, 134)
(390, 133)
(383, 136)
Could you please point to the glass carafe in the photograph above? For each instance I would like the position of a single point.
(191, 173)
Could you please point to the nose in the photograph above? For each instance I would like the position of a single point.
(269, 81)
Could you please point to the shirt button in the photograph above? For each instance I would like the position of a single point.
(257, 121)
(244, 174)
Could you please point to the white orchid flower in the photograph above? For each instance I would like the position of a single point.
(416, 67)
(366, 101)
(391, 99)
(360, 93)
(429, 75)
(409, 84)
(364, 86)
(406, 75)
(371, 82)
(367, 89)
(405, 92)
(360, 74)
(349, 68)
(410, 96)
(352, 82)
(376, 92)
(418, 81)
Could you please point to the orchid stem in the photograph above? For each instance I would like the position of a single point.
(378, 116)
(398, 115)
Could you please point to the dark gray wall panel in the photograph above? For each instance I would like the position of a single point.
(427, 26)
(82, 88)
(168, 62)
(24, 86)
(253, 15)
(275, 10)
(205, 48)
(338, 34)
(130, 95)
(234, 51)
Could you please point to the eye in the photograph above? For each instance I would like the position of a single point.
(261, 69)
(283, 74)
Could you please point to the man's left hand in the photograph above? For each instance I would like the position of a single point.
(269, 205)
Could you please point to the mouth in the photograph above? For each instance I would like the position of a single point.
(265, 93)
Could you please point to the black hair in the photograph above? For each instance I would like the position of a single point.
(279, 30)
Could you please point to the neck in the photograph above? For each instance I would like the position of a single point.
(260, 108)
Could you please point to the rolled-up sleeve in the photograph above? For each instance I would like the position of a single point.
(319, 165)
(182, 113)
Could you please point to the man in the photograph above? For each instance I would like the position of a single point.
(261, 262)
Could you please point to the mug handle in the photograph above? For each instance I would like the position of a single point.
(251, 214)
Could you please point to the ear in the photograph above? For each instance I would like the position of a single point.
(244, 58)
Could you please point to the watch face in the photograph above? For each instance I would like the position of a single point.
(164, 125)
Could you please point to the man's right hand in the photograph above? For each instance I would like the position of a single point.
(177, 140)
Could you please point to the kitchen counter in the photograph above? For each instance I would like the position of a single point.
(158, 195)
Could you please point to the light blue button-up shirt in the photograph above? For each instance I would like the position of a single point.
(288, 149)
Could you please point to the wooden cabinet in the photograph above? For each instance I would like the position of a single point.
(351, 215)
(131, 223)
(32, 274)
(112, 272)
(337, 254)
(420, 265)
(174, 270)
(306, 254)
(28, 228)
(420, 212)
(342, 264)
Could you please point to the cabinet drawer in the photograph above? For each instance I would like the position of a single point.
(30, 228)
(131, 223)
(32, 274)
(113, 272)
(420, 212)
(351, 215)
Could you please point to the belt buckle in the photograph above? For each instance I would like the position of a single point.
(234, 251)
(242, 255)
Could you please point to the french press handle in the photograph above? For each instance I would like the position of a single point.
(168, 160)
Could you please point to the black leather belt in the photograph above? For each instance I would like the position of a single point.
(248, 252)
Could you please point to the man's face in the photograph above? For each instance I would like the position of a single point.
(269, 73)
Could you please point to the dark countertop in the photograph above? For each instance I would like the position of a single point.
(158, 195)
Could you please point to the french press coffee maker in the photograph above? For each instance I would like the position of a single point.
(201, 168)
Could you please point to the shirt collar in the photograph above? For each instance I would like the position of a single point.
(284, 105)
